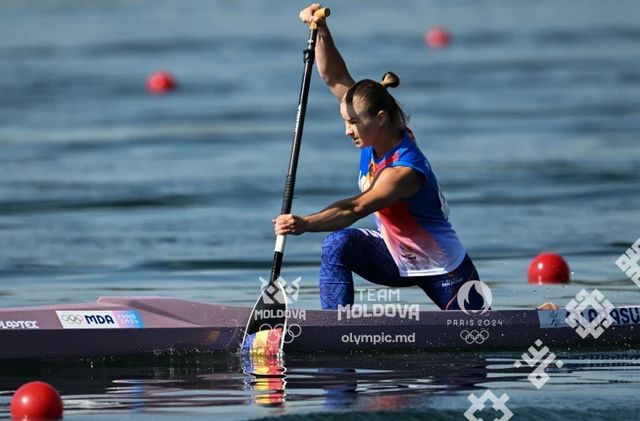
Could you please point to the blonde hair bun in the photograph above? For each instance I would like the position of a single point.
(390, 80)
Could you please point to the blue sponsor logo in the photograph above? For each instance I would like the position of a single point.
(96, 319)
(619, 316)
(622, 316)
(129, 319)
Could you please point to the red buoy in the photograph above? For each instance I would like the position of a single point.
(161, 82)
(36, 400)
(437, 37)
(548, 268)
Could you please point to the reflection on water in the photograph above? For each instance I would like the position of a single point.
(267, 378)
(226, 384)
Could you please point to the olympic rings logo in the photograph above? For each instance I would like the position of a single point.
(474, 336)
(72, 318)
(293, 331)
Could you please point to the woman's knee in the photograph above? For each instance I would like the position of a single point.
(338, 242)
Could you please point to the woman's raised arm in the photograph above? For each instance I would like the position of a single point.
(331, 65)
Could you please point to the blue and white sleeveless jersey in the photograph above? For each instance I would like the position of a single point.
(416, 229)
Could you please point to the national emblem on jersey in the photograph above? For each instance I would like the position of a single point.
(366, 179)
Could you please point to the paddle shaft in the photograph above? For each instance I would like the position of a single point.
(270, 308)
(287, 197)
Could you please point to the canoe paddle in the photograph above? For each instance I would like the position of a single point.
(267, 324)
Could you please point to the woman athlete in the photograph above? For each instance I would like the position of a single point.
(415, 244)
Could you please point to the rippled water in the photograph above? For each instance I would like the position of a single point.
(433, 385)
(530, 118)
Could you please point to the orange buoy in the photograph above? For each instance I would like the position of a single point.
(36, 401)
(548, 268)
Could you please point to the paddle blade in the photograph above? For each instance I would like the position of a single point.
(264, 342)
(266, 327)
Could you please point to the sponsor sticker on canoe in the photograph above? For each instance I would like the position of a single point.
(620, 315)
(100, 319)
(19, 324)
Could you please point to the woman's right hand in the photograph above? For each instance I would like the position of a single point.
(289, 224)
(306, 15)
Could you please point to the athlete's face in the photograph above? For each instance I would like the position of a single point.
(362, 128)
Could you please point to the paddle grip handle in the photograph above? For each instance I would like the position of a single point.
(320, 13)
